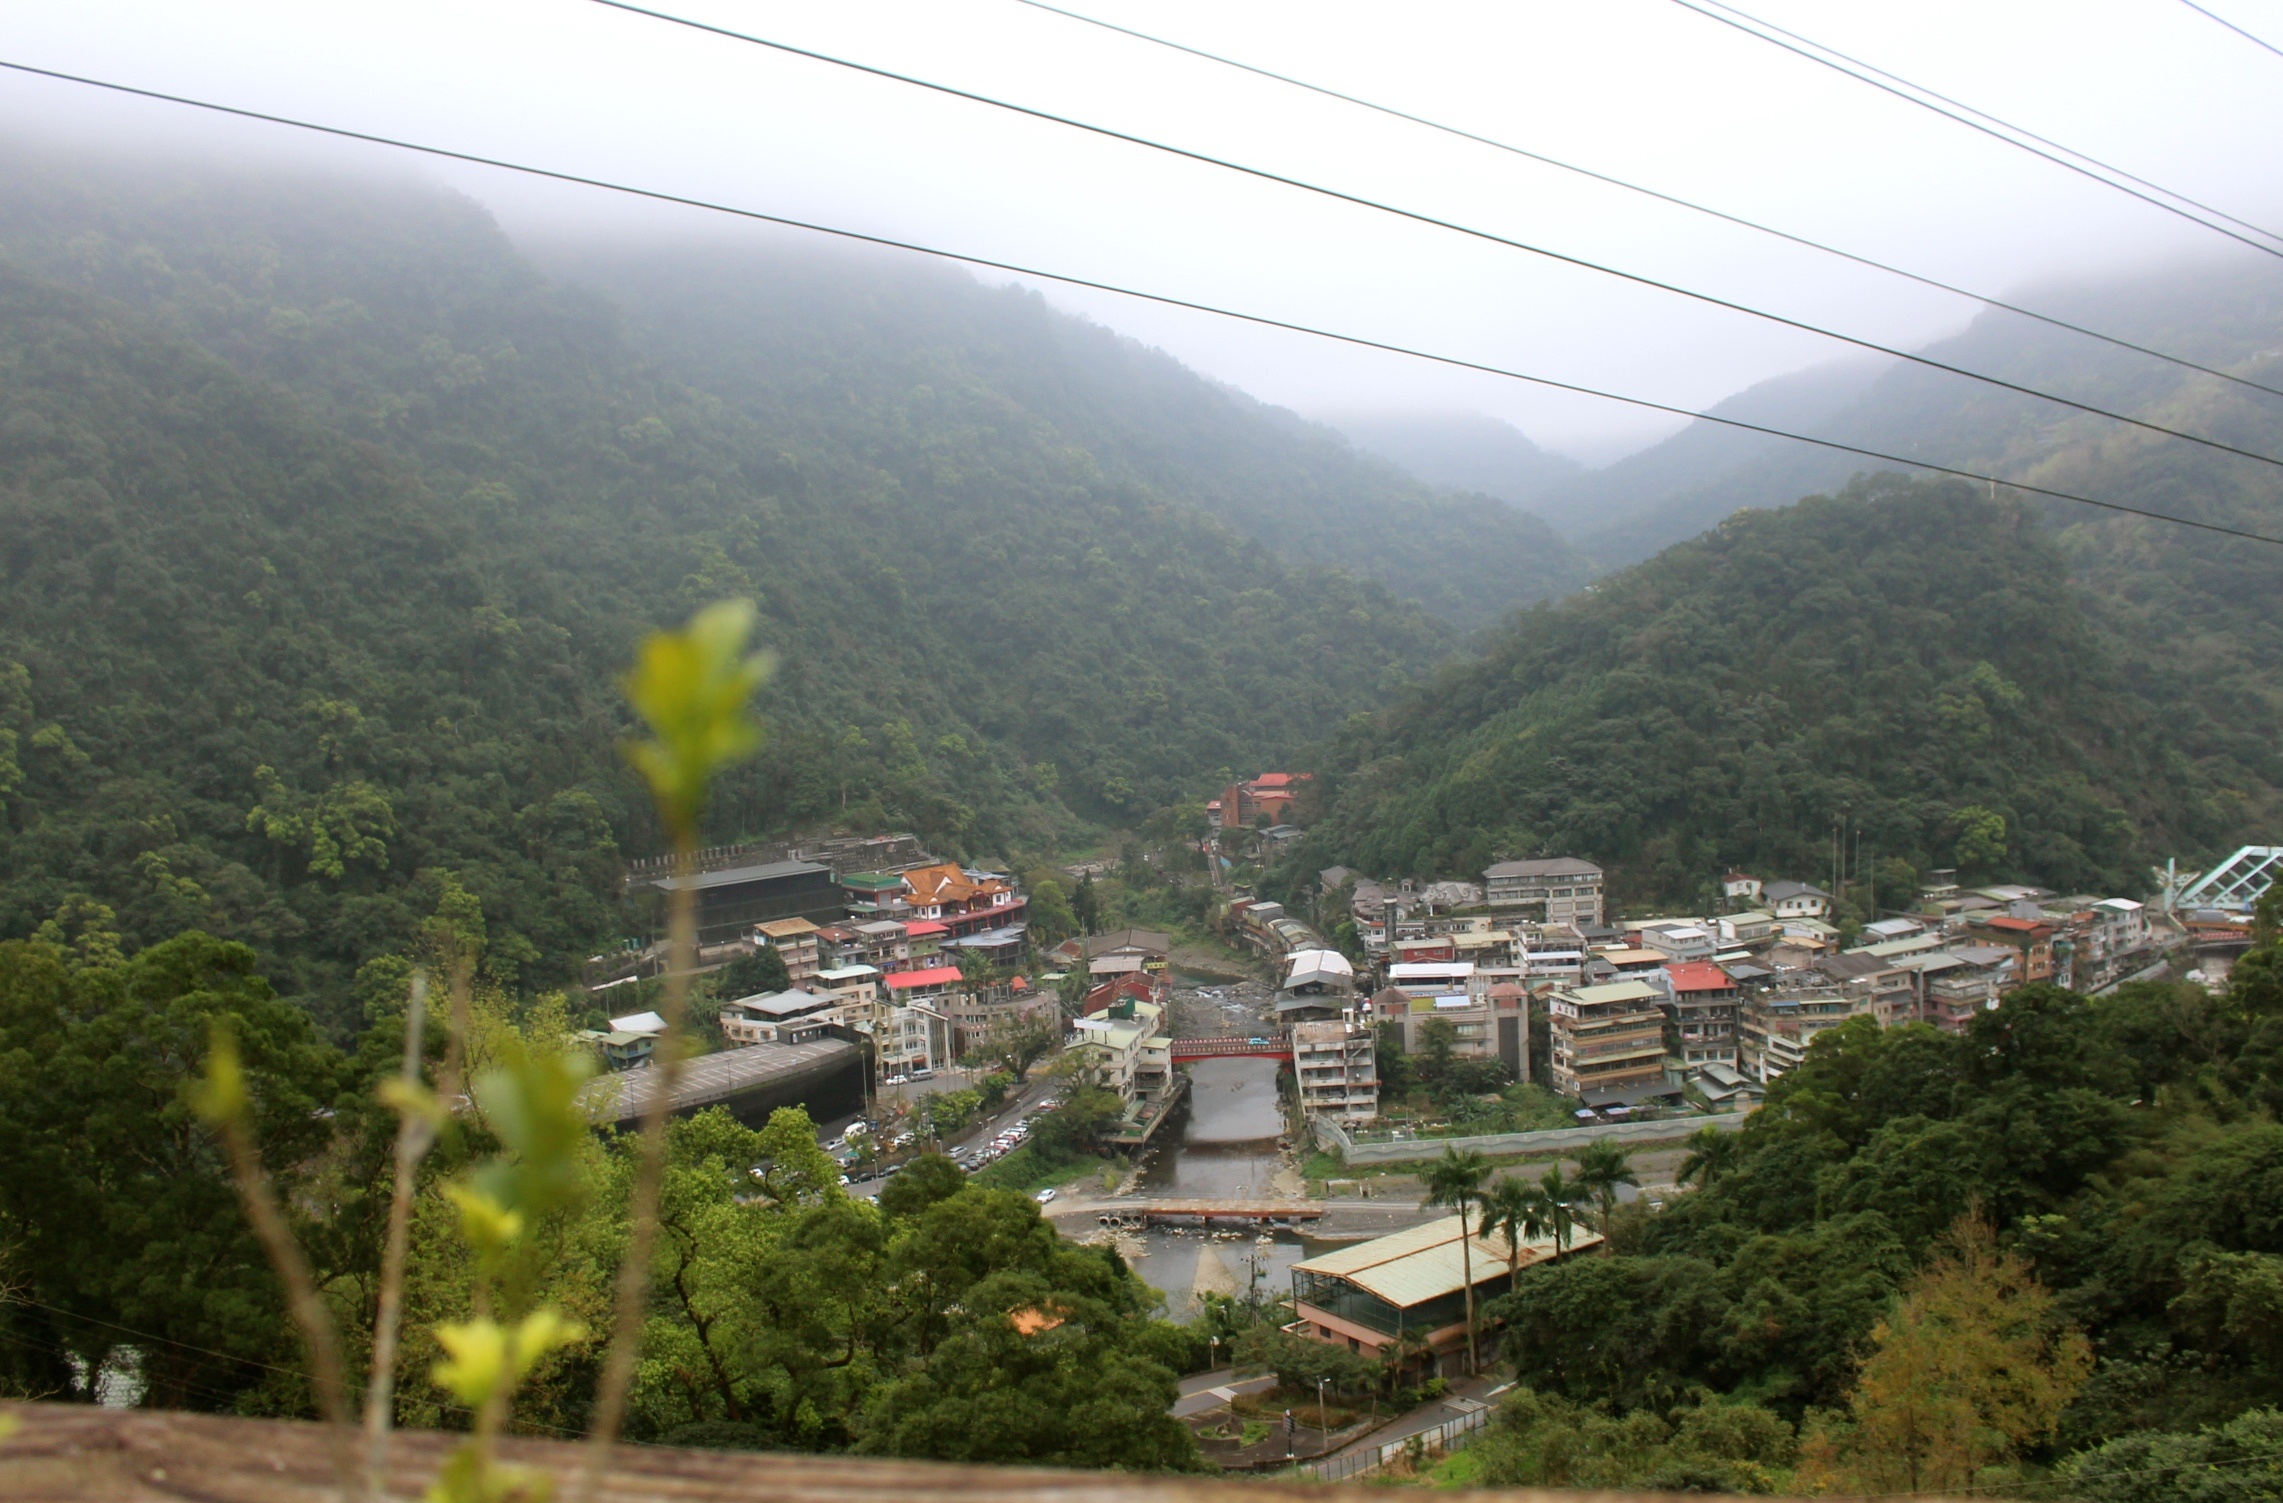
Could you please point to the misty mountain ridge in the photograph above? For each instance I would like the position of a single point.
(1462, 450)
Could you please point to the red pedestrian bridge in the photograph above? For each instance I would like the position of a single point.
(1256, 1046)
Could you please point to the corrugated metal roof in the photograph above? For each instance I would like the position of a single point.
(1411, 1267)
(1618, 991)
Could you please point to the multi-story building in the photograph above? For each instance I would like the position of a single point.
(1680, 941)
(881, 942)
(1958, 983)
(1743, 931)
(965, 902)
(1271, 796)
(787, 1017)
(1892, 988)
(1703, 1012)
(2031, 938)
(853, 990)
(1318, 985)
(1124, 1049)
(1433, 978)
(1607, 1040)
(912, 1038)
(1492, 1023)
(795, 941)
(1557, 890)
(1775, 1028)
(1337, 1069)
(975, 1011)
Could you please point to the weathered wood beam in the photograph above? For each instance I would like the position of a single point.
(72, 1453)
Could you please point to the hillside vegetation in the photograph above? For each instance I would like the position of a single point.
(1911, 654)
(326, 520)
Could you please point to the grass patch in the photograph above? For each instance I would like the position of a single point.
(1458, 1469)
(1028, 1170)
(1271, 1405)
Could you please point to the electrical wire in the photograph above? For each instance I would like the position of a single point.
(1662, 197)
(1258, 320)
(2256, 41)
(1903, 88)
(1339, 196)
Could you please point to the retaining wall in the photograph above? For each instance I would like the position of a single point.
(1333, 1138)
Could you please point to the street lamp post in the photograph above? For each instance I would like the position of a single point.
(1323, 1430)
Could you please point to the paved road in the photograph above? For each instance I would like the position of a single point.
(1204, 1391)
(1484, 1389)
(1026, 1100)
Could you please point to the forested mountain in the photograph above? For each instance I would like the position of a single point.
(2231, 319)
(2104, 684)
(1467, 451)
(907, 353)
(1912, 654)
(326, 520)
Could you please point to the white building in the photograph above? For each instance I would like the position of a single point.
(912, 1038)
(1338, 1071)
(1559, 890)
(1795, 900)
(788, 1017)
(1680, 941)
(1433, 978)
(1127, 1049)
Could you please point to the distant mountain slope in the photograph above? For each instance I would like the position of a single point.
(326, 521)
(1907, 653)
(1675, 489)
(2221, 317)
(1468, 451)
(901, 348)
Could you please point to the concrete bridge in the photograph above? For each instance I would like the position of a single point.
(1208, 1212)
(1263, 1046)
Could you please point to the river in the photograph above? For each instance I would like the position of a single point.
(1227, 1147)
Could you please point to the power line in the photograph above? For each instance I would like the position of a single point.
(2256, 41)
(1662, 197)
(2020, 139)
(1357, 341)
(1416, 217)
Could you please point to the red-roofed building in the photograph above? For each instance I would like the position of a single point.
(1703, 1013)
(1272, 793)
(963, 902)
(935, 979)
(926, 937)
(1141, 986)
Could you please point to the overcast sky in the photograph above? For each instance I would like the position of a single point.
(1642, 89)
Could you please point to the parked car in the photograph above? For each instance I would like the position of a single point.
(1043, 1196)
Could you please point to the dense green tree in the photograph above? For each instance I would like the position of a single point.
(1909, 652)
(754, 974)
(118, 1216)
(331, 521)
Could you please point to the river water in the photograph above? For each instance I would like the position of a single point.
(1226, 1146)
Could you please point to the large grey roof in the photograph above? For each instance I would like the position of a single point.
(711, 1078)
(1551, 866)
(738, 875)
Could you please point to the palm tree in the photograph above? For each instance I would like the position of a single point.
(1711, 1153)
(1555, 1195)
(1601, 1168)
(1510, 1208)
(1456, 1180)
